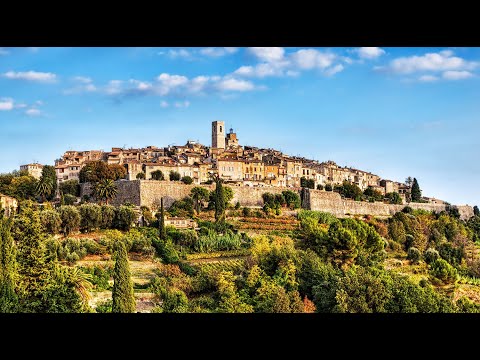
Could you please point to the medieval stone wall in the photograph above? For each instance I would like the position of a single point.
(149, 192)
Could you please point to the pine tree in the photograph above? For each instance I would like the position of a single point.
(161, 222)
(122, 294)
(8, 297)
(416, 193)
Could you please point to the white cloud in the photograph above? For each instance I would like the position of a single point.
(310, 58)
(6, 104)
(33, 112)
(114, 87)
(34, 49)
(333, 70)
(182, 104)
(456, 75)
(164, 104)
(442, 61)
(83, 79)
(31, 76)
(268, 54)
(4, 51)
(218, 51)
(232, 84)
(428, 78)
(370, 52)
(180, 53)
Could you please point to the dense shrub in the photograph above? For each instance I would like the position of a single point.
(443, 271)
(91, 217)
(69, 199)
(292, 199)
(108, 217)
(414, 255)
(70, 187)
(246, 211)
(430, 255)
(51, 221)
(187, 180)
(125, 217)
(70, 218)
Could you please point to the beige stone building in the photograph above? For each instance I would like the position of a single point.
(181, 223)
(34, 169)
(253, 170)
(8, 205)
(230, 169)
(271, 174)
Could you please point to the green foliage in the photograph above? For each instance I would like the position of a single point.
(319, 187)
(70, 187)
(174, 176)
(416, 193)
(307, 183)
(104, 307)
(108, 217)
(476, 211)
(166, 250)
(105, 189)
(396, 231)
(229, 299)
(8, 268)
(219, 201)
(371, 193)
(237, 205)
(123, 300)
(124, 217)
(452, 254)
(215, 242)
(140, 176)
(199, 195)
(97, 171)
(161, 222)
(430, 255)
(100, 276)
(414, 255)
(187, 180)
(349, 190)
(443, 271)
(156, 175)
(328, 187)
(51, 221)
(246, 211)
(394, 198)
(292, 199)
(69, 199)
(49, 177)
(182, 208)
(319, 216)
(91, 217)
(44, 188)
(70, 218)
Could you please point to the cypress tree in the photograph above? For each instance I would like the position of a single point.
(122, 294)
(8, 297)
(476, 211)
(161, 222)
(219, 201)
(33, 269)
(416, 193)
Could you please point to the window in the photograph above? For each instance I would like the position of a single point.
(220, 128)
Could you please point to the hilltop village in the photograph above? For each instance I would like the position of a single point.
(235, 164)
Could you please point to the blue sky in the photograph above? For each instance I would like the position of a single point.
(396, 112)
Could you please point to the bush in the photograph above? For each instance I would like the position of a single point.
(70, 217)
(319, 187)
(124, 217)
(414, 255)
(237, 205)
(246, 212)
(140, 176)
(108, 217)
(166, 250)
(91, 217)
(407, 210)
(328, 187)
(187, 180)
(292, 199)
(431, 255)
(174, 176)
(442, 270)
(69, 199)
(51, 221)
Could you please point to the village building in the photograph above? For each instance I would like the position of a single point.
(8, 205)
(181, 223)
(34, 169)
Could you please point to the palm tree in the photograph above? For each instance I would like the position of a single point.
(82, 283)
(105, 189)
(198, 195)
(44, 188)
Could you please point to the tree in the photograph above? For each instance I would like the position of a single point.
(70, 218)
(51, 221)
(349, 190)
(105, 189)
(307, 183)
(108, 217)
(292, 199)
(443, 271)
(96, 171)
(8, 297)
(409, 181)
(44, 188)
(161, 222)
(187, 180)
(125, 216)
(319, 187)
(23, 188)
(370, 192)
(117, 171)
(140, 176)
(199, 195)
(174, 176)
(219, 199)
(49, 175)
(157, 175)
(394, 198)
(70, 187)
(33, 268)
(91, 217)
(476, 211)
(123, 300)
(416, 193)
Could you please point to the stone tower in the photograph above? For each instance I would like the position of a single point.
(218, 134)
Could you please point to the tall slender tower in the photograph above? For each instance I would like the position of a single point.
(218, 134)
